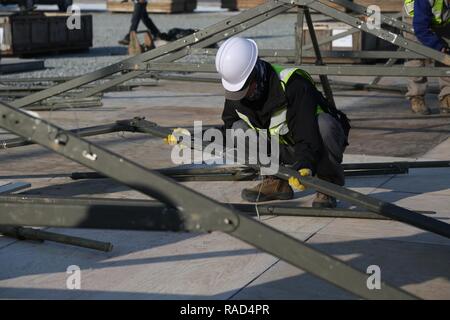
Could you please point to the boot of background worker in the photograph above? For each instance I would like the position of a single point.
(271, 188)
(445, 104)
(418, 105)
(125, 41)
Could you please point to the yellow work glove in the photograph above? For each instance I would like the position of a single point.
(295, 183)
(172, 138)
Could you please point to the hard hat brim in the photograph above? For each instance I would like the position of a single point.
(233, 87)
(240, 94)
(237, 95)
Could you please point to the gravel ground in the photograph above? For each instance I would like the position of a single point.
(109, 28)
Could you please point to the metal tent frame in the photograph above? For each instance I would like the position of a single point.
(185, 209)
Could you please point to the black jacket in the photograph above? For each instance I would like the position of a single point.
(302, 99)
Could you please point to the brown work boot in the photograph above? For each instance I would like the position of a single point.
(125, 41)
(324, 201)
(134, 47)
(149, 42)
(445, 104)
(271, 188)
(418, 105)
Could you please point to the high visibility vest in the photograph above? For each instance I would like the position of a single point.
(441, 12)
(278, 126)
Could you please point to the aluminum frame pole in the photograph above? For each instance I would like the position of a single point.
(196, 212)
(375, 205)
(183, 44)
(393, 38)
(337, 70)
(319, 62)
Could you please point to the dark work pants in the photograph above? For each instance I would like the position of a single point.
(140, 13)
(329, 166)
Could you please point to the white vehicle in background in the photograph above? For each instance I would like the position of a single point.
(29, 4)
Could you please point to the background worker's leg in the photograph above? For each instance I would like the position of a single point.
(417, 86)
(135, 18)
(137, 15)
(444, 82)
(149, 23)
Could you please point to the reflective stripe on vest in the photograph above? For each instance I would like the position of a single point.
(278, 125)
(441, 12)
(246, 120)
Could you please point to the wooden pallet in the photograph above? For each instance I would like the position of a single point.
(154, 6)
(385, 5)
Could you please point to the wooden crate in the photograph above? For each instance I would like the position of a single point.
(240, 4)
(42, 33)
(154, 6)
(324, 30)
(385, 5)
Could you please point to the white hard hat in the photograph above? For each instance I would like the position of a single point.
(235, 61)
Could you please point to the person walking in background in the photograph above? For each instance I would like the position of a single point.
(140, 13)
(431, 22)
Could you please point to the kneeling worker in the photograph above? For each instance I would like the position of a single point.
(284, 101)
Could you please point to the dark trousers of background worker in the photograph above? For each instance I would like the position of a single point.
(329, 166)
(140, 13)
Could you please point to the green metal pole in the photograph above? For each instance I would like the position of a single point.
(195, 212)
(22, 233)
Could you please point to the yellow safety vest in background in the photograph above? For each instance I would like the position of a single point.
(278, 124)
(441, 14)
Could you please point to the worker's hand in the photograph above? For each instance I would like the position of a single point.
(295, 183)
(172, 139)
